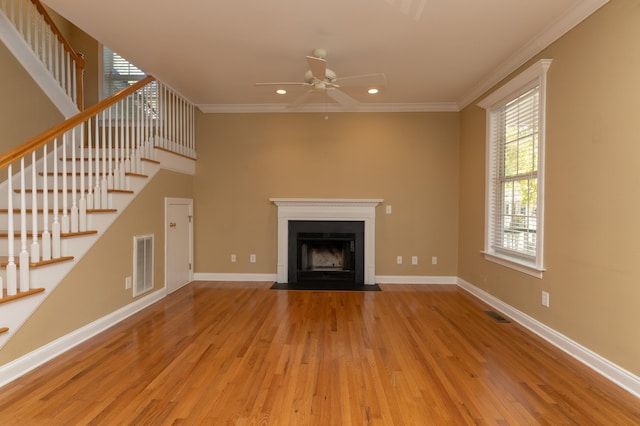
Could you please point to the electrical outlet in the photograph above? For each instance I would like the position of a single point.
(234, 258)
(127, 283)
(388, 209)
(434, 260)
(252, 258)
(545, 299)
(399, 260)
(414, 260)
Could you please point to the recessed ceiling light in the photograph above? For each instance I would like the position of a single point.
(372, 91)
(281, 92)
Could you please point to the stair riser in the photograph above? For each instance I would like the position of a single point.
(17, 222)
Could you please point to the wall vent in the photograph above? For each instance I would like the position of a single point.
(496, 316)
(142, 264)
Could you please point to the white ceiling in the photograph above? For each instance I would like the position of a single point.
(436, 54)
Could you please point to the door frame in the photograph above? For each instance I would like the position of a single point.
(177, 201)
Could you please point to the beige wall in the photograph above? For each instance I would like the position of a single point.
(89, 47)
(410, 160)
(95, 287)
(592, 202)
(25, 111)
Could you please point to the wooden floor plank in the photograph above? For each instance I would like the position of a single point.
(239, 353)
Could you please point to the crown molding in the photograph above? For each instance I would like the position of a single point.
(364, 107)
(549, 35)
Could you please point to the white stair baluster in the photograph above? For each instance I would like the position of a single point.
(122, 125)
(127, 146)
(82, 204)
(97, 194)
(127, 161)
(109, 153)
(12, 278)
(162, 111)
(116, 148)
(24, 254)
(104, 202)
(74, 186)
(135, 165)
(90, 203)
(55, 226)
(46, 236)
(35, 246)
(64, 225)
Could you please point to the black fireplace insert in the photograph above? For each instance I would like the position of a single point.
(330, 251)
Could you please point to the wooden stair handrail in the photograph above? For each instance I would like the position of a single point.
(45, 137)
(78, 58)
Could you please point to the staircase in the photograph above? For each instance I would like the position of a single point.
(64, 188)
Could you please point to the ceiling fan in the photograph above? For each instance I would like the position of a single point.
(320, 78)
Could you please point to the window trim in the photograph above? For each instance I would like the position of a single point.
(535, 75)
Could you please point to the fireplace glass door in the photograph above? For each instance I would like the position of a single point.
(326, 251)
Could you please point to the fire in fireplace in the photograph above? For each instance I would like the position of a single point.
(326, 251)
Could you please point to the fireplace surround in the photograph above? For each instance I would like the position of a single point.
(326, 209)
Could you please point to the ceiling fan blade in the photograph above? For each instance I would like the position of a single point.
(342, 98)
(373, 80)
(301, 99)
(289, 83)
(318, 67)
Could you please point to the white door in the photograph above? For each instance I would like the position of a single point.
(178, 242)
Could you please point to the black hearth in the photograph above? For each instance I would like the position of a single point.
(331, 251)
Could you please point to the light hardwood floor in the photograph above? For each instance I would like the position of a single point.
(239, 353)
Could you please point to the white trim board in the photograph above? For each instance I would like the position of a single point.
(215, 276)
(379, 279)
(414, 279)
(601, 365)
(36, 358)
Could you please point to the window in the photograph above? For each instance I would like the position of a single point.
(515, 171)
(118, 73)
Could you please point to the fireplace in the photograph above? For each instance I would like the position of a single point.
(327, 209)
(326, 251)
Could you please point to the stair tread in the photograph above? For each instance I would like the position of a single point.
(92, 174)
(4, 260)
(113, 159)
(20, 294)
(40, 191)
(5, 233)
(51, 210)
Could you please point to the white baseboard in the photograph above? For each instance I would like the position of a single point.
(603, 366)
(30, 361)
(413, 279)
(210, 276)
(380, 279)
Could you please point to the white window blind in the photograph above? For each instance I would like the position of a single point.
(514, 188)
(118, 73)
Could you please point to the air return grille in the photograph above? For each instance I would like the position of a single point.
(142, 264)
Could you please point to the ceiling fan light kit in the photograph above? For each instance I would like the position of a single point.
(320, 78)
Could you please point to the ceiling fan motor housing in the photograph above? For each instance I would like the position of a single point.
(330, 77)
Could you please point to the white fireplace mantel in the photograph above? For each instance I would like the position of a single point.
(327, 209)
